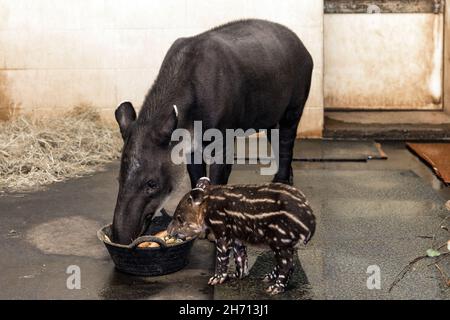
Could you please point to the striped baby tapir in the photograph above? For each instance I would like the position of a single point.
(273, 214)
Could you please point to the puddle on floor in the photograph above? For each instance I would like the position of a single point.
(72, 236)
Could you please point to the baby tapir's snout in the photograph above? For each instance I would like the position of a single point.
(273, 214)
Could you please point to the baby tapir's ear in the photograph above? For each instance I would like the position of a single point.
(203, 183)
(196, 196)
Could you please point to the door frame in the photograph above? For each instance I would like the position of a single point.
(446, 71)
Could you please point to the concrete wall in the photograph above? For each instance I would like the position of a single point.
(59, 53)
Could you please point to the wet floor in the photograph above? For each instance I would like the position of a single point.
(365, 219)
(372, 213)
(46, 232)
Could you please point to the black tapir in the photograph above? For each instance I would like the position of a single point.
(249, 74)
(273, 214)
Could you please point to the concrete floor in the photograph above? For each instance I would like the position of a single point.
(47, 231)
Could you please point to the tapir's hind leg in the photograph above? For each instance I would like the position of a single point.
(288, 133)
(285, 267)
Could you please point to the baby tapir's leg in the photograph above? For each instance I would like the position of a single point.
(285, 265)
(223, 250)
(240, 259)
(272, 275)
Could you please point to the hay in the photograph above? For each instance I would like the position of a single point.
(36, 152)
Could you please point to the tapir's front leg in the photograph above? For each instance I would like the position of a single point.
(195, 170)
(219, 173)
(223, 250)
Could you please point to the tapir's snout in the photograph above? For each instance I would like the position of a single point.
(126, 226)
(132, 216)
(134, 212)
(183, 229)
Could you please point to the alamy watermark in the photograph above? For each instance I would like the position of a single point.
(212, 146)
(374, 279)
(73, 281)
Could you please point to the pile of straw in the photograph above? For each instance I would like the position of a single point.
(37, 152)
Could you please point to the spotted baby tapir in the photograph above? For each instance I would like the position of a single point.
(272, 214)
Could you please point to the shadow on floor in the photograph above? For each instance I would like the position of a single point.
(253, 287)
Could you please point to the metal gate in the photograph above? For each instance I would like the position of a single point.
(383, 55)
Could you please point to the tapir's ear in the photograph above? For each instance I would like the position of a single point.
(203, 183)
(196, 196)
(168, 125)
(125, 115)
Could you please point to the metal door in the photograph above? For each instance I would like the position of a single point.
(383, 55)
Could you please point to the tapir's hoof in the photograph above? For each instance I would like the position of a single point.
(275, 289)
(289, 182)
(217, 279)
(285, 180)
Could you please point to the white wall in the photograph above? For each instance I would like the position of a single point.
(59, 53)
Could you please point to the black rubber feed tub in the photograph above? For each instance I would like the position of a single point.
(147, 261)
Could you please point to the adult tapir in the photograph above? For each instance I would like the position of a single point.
(244, 74)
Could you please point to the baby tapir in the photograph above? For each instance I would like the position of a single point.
(273, 214)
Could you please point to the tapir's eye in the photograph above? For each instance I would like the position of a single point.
(151, 185)
(179, 219)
